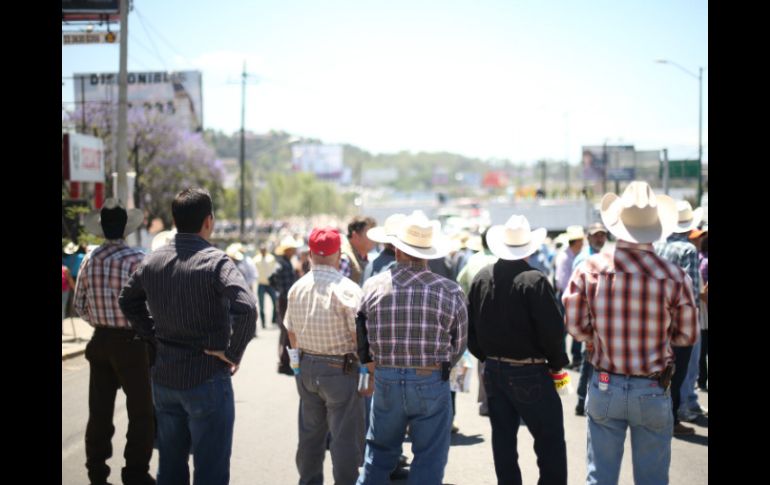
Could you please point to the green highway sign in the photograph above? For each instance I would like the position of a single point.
(681, 169)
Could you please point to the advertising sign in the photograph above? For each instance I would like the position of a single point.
(325, 161)
(85, 158)
(178, 94)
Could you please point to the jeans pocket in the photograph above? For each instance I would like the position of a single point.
(432, 393)
(526, 390)
(598, 404)
(655, 410)
(206, 398)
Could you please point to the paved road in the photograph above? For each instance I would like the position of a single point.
(266, 435)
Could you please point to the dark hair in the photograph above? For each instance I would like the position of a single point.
(113, 222)
(359, 223)
(190, 208)
(484, 238)
(704, 245)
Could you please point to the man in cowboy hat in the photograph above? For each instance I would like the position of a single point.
(189, 297)
(632, 306)
(356, 247)
(563, 270)
(679, 250)
(320, 320)
(382, 234)
(515, 328)
(416, 323)
(281, 280)
(116, 357)
(244, 264)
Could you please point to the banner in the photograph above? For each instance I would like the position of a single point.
(85, 158)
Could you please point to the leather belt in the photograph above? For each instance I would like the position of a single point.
(332, 357)
(422, 368)
(529, 361)
(654, 375)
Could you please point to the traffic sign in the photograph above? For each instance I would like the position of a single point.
(68, 38)
(681, 169)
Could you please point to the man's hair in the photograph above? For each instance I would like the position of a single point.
(190, 208)
(113, 222)
(484, 238)
(359, 223)
(326, 260)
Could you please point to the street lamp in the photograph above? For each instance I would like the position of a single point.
(699, 77)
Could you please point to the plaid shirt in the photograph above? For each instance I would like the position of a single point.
(633, 305)
(680, 251)
(101, 277)
(283, 277)
(322, 311)
(415, 318)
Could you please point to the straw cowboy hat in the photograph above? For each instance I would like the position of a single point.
(162, 238)
(515, 240)
(639, 216)
(574, 233)
(687, 219)
(235, 251)
(421, 238)
(380, 234)
(287, 242)
(474, 243)
(93, 221)
(70, 248)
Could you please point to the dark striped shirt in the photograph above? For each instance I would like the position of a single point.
(197, 300)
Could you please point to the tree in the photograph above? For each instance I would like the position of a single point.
(166, 157)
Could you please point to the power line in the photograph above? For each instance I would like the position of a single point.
(163, 63)
(161, 37)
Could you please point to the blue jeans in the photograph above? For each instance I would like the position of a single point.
(407, 397)
(261, 290)
(689, 396)
(199, 419)
(642, 405)
(528, 392)
(586, 371)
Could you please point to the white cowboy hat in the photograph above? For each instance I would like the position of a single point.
(70, 248)
(639, 216)
(687, 219)
(93, 221)
(235, 251)
(474, 243)
(380, 234)
(162, 238)
(287, 243)
(515, 240)
(421, 238)
(575, 232)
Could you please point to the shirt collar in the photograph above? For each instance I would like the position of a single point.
(412, 266)
(679, 236)
(639, 247)
(323, 267)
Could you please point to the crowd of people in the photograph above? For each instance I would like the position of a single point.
(376, 340)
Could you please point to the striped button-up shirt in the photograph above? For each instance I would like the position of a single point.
(198, 300)
(680, 251)
(322, 311)
(415, 318)
(633, 305)
(102, 275)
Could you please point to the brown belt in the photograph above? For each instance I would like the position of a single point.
(654, 375)
(422, 368)
(528, 361)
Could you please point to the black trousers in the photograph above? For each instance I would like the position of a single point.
(117, 361)
(703, 374)
(681, 359)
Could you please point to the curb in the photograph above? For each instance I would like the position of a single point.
(75, 353)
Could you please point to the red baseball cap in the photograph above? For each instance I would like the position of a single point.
(324, 241)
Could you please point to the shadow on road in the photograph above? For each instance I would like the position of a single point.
(460, 439)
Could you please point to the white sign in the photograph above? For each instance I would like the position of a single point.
(176, 93)
(90, 38)
(325, 161)
(86, 157)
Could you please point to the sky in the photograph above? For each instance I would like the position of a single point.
(517, 80)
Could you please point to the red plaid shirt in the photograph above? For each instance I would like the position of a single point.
(102, 276)
(633, 305)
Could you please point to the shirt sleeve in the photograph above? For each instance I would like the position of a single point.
(459, 329)
(577, 317)
(243, 307)
(684, 316)
(549, 323)
(690, 264)
(473, 344)
(79, 301)
(133, 304)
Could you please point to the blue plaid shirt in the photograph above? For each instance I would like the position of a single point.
(680, 251)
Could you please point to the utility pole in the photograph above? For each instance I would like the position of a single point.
(665, 171)
(122, 159)
(243, 149)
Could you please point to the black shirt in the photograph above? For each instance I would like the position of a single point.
(513, 313)
(197, 300)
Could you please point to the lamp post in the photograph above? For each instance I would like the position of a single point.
(699, 77)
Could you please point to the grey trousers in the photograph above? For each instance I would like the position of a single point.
(329, 403)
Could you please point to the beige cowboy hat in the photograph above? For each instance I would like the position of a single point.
(639, 216)
(574, 233)
(235, 251)
(287, 242)
(420, 237)
(687, 218)
(515, 240)
(70, 248)
(162, 238)
(380, 234)
(93, 221)
(474, 243)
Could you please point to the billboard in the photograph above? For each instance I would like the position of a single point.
(178, 94)
(610, 162)
(325, 161)
(84, 158)
(90, 10)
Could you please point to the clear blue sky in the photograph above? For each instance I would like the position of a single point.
(521, 80)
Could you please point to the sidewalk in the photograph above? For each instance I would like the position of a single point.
(74, 344)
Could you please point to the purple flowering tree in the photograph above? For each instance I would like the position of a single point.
(166, 156)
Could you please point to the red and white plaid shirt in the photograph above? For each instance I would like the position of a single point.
(415, 318)
(103, 274)
(633, 305)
